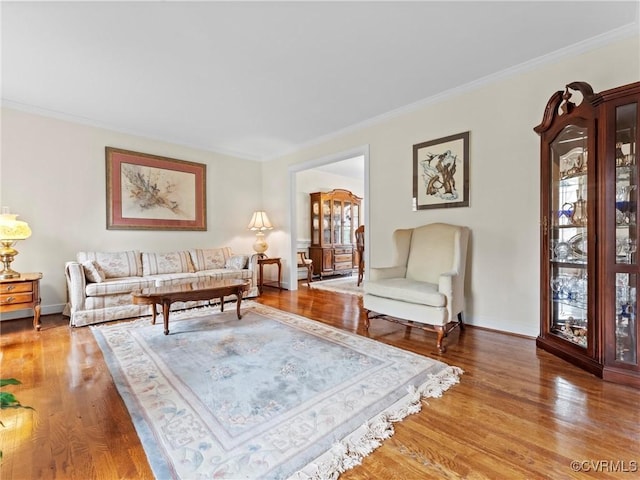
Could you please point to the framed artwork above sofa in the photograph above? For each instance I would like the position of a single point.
(149, 192)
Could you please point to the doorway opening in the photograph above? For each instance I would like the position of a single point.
(349, 164)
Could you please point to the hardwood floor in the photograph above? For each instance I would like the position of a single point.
(518, 412)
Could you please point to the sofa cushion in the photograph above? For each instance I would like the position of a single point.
(93, 271)
(115, 264)
(108, 301)
(209, 258)
(406, 290)
(171, 262)
(118, 285)
(237, 262)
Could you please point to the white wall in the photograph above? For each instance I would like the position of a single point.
(52, 173)
(503, 268)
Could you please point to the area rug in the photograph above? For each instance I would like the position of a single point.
(341, 285)
(271, 396)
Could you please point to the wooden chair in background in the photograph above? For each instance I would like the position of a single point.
(304, 262)
(360, 250)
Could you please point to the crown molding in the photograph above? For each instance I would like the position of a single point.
(620, 33)
(44, 112)
(602, 40)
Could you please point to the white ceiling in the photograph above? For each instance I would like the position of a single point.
(350, 168)
(259, 79)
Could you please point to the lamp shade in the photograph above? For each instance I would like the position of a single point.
(12, 229)
(260, 221)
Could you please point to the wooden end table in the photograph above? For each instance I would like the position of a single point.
(264, 260)
(20, 293)
(205, 290)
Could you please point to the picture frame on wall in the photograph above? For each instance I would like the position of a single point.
(150, 192)
(441, 172)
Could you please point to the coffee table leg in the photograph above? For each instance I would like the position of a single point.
(165, 313)
(222, 304)
(239, 297)
(153, 314)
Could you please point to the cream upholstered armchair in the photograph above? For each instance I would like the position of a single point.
(425, 287)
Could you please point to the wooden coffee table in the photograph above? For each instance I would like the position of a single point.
(205, 290)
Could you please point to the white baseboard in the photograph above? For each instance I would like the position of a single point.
(28, 313)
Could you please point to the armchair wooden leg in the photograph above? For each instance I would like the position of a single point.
(460, 321)
(441, 335)
(407, 330)
(366, 319)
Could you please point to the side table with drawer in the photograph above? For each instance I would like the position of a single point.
(21, 293)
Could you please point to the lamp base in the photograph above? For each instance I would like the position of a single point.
(4, 274)
(7, 253)
(260, 246)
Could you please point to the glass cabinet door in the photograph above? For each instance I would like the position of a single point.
(626, 233)
(355, 220)
(326, 221)
(568, 241)
(337, 222)
(315, 222)
(346, 222)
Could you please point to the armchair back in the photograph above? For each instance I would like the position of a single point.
(436, 249)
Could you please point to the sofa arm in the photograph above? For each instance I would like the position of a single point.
(387, 272)
(76, 287)
(252, 264)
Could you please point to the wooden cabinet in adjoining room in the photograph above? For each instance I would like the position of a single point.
(590, 269)
(335, 215)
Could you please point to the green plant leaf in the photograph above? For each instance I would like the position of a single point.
(9, 381)
(8, 400)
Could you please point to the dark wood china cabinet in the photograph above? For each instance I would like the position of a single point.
(335, 215)
(589, 229)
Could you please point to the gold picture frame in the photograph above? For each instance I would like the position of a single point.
(150, 192)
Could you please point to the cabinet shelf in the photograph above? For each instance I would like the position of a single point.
(570, 263)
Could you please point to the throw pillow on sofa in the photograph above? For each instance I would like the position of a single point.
(237, 262)
(171, 262)
(209, 258)
(115, 264)
(93, 271)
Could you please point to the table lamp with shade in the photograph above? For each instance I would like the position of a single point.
(260, 222)
(11, 230)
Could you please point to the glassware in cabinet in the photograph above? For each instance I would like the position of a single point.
(626, 178)
(569, 315)
(626, 328)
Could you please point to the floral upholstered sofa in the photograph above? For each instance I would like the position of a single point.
(99, 284)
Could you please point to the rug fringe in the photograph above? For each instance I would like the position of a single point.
(349, 453)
